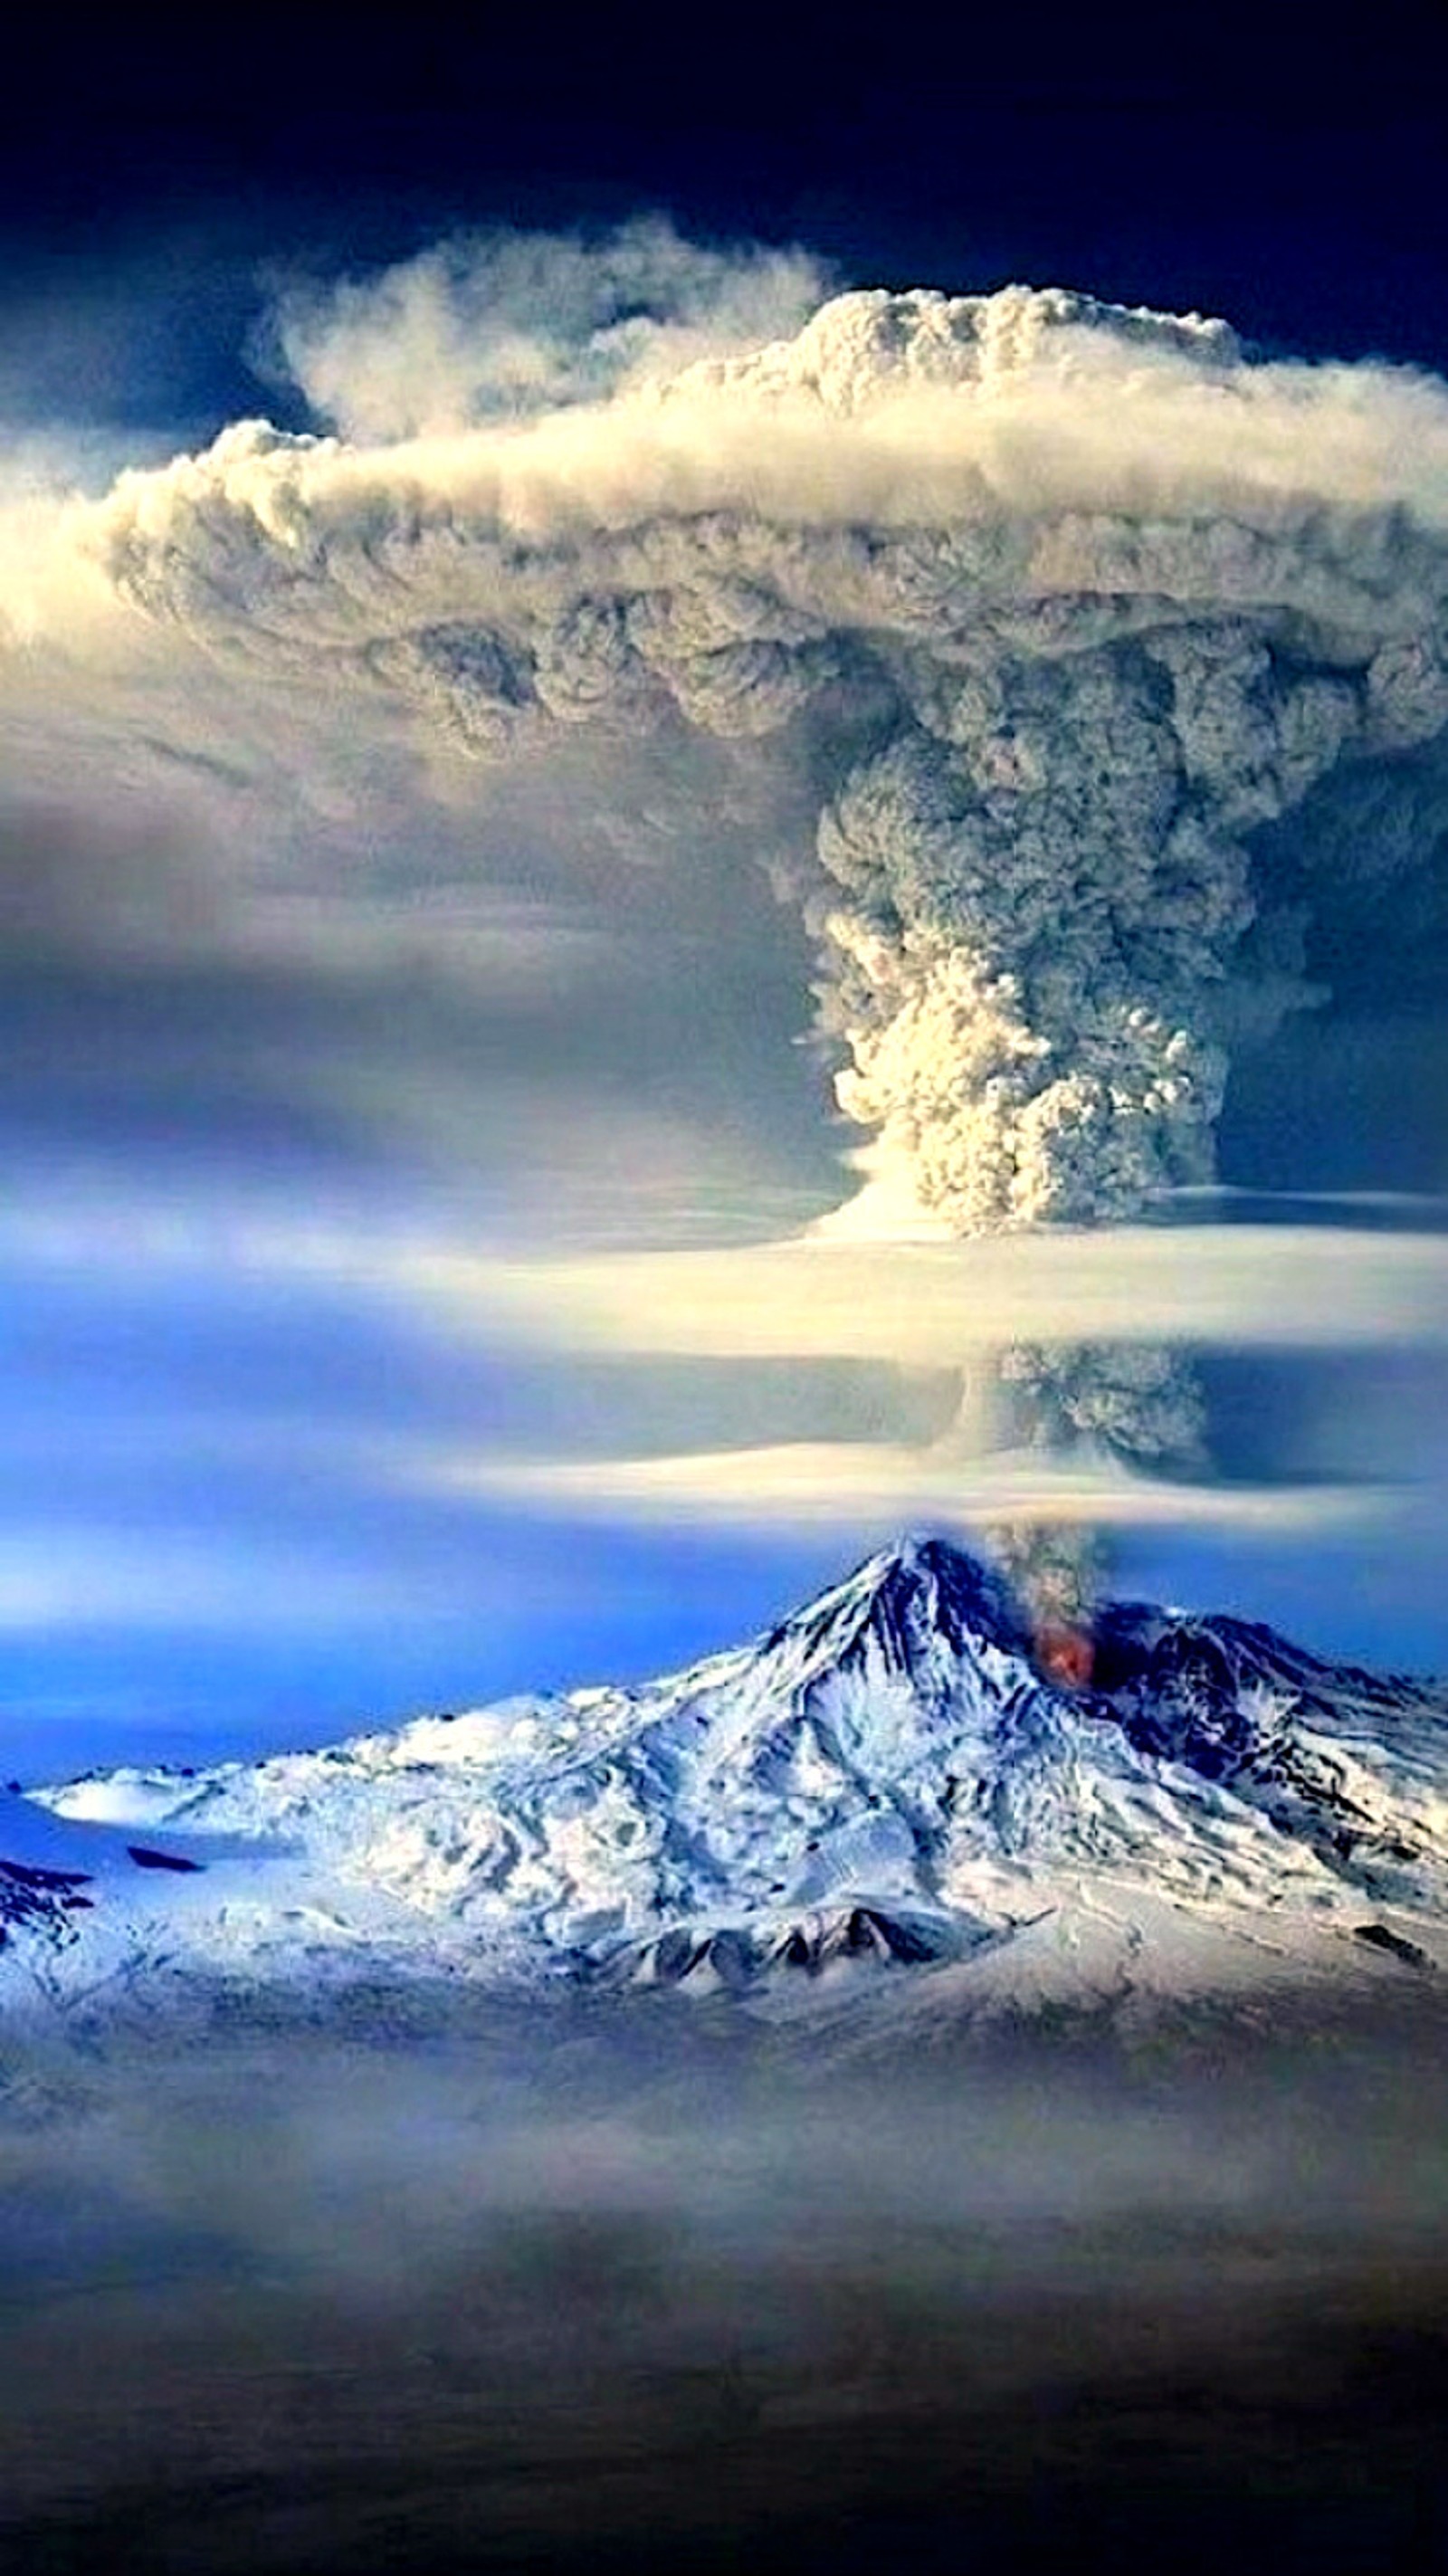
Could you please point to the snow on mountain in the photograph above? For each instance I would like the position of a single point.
(886, 1777)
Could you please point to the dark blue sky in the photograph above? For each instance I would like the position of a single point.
(151, 188)
(1237, 160)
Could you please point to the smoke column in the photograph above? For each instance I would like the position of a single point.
(1064, 606)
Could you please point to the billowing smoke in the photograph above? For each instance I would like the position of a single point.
(1062, 606)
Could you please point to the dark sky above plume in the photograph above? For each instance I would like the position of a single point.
(1230, 158)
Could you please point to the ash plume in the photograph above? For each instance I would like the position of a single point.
(1058, 1574)
(1063, 607)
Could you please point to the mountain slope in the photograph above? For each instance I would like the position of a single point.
(886, 1776)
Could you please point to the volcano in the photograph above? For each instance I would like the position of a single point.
(892, 1779)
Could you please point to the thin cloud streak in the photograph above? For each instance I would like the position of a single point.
(855, 1484)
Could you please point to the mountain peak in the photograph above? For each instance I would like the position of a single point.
(908, 1600)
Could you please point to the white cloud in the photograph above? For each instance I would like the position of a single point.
(929, 1304)
(510, 322)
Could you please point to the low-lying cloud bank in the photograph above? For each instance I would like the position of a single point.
(646, 2288)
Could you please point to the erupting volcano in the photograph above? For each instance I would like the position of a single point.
(913, 1769)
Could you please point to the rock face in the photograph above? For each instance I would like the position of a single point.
(41, 1902)
(887, 1780)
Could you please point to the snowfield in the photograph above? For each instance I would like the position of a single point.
(884, 1786)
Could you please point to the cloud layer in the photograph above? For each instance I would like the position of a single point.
(927, 1304)
(884, 1487)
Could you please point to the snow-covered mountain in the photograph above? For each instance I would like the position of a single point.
(886, 1779)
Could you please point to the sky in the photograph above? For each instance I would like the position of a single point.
(471, 893)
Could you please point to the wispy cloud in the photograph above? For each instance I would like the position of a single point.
(73, 1578)
(513, 323)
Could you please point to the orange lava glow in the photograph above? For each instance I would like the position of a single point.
(1065, 1653)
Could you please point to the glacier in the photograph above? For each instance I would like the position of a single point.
(889, 1795)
